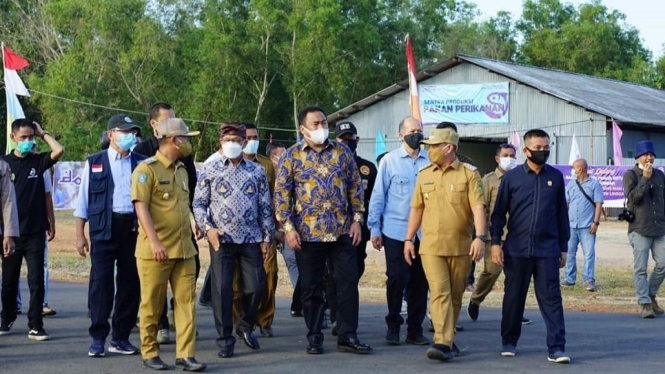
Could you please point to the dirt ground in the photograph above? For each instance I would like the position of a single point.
(613, 270)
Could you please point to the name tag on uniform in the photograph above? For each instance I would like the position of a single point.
(164, 182)
(97, 168)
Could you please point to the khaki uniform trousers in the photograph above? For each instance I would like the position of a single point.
(487, 278)
(155, 277)
(266, 312)
(446, 276)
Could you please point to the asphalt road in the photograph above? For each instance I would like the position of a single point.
(597, 343)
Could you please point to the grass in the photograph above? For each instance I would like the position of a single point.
(614, 277)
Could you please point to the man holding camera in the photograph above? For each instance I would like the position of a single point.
(644, 187)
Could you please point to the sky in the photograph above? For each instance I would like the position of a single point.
(645, 15)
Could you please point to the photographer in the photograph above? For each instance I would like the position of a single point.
(644, 187)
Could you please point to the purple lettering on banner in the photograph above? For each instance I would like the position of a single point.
(609, 176)
(499, 105)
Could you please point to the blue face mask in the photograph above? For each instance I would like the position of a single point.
(126, 141)
(25, 146)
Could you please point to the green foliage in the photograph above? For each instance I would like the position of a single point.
(263, 60)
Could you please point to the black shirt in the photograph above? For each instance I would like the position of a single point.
(538, 224)
(646, 198)
(149, 147)
(28, 178)
(368, 177)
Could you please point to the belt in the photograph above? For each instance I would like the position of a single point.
(128, 216)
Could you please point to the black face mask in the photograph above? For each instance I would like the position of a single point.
(539, 157)
(413, 140)
(352, 144)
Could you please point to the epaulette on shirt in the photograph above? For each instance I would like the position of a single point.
(469, 166)
(150, 160)
(425, 167)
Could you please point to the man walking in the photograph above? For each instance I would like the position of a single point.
(448, 202)
(645, 191)
(319, 203)
(165, 252)
(27, 170)
(506, 160)
(388, 218)
(584, 195)
(533, 195)
(105, 201)
(232, 202)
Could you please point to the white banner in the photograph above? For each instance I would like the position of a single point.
(483, 103)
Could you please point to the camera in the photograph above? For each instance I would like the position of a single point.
(626, 215)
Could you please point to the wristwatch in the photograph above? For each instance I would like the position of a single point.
(481, 237)
(44, 133)
(597, 223)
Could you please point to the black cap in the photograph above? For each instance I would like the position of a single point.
(122, 122)
(345, 127)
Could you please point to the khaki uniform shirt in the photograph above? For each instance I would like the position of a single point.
(163, 185)
(447, 196)
(10, 226)
(270, 171)
(491, 183)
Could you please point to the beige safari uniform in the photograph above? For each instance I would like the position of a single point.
(491, 271)
(8, 201)
(162, 184)
(266, 312)
(446, 197)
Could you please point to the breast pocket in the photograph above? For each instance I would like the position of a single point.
(166, 191)
(401, 186)
(458, 193)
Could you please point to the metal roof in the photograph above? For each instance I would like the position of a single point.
(622, 101)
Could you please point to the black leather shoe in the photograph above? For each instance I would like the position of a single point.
(392, 337)
(417, 339)
(295, 313)
(226, 351)
(459, 328)
(155, 363)
(456, 351)
(189, 364)
(314, 349)
(440, 352)
(250, 340)
(353, 345)
(266, 331)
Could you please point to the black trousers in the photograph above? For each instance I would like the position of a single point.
(32, 248)
(106, 255)
(205, 296)
(471, 278)
(164, 320)
(252, 279)
(296, 298)
(331, 290)
(402, 277)
(312, 260)
(545, 271)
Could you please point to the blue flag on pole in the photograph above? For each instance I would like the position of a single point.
(380, 144)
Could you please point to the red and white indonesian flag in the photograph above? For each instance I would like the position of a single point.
(414, 101)
(13, 86)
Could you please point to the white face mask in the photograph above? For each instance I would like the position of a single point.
(573, 173)
(231, 150)
(318, 136)
(251, 148)
(507, 163)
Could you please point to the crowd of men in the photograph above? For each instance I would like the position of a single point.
(319, 204)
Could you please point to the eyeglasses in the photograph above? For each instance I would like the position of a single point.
(236, 140)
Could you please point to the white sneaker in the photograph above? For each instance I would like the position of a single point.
(404, 308)
(163, 336)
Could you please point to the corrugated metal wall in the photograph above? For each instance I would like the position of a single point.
(529, 109)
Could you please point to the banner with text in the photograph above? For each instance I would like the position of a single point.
(482, 103)
(610, 177)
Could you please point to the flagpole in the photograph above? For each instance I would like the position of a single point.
(4, 69)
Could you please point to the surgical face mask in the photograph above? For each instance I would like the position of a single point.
(507, 163)
(251, 148)
(413, 140)
(573, 173)
(125, 141)
(185, 148)
(539, 157)
(352, 144)
(318, 136)
(25, 146)
(231, 150)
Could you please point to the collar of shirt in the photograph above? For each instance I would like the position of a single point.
(403, 153)
(499, 173)
(114, 155)
(225, 160)
(528, 170)
(303, 145)
(455, 165)
(165, 161)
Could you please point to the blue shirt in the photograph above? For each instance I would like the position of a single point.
(390, 204)
(538, 223)
(236, 200)
(580, 210)
(121, 171)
